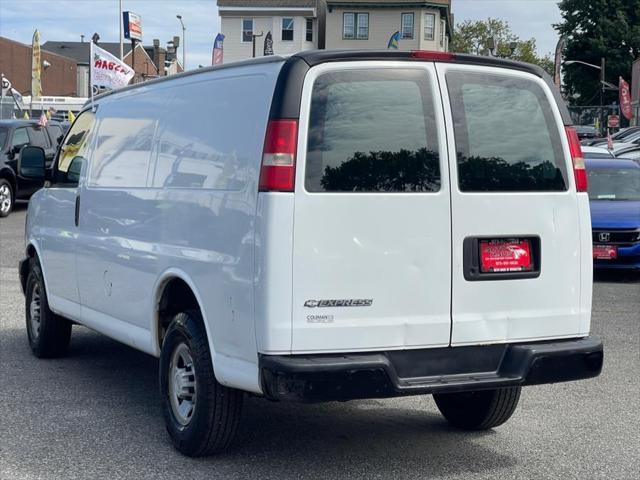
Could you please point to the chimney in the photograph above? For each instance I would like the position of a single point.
(81, 38)
(156, 55)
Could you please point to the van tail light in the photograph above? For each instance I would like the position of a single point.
(430, 55)
(579, 171)
(278, 170)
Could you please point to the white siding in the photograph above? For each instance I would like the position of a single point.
(235, 49)
(382, 24)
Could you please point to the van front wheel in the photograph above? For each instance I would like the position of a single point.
(201, 415)
(479, 410)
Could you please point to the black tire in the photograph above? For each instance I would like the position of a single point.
(479, 410)
(215, 414)
(50, 336)
(5, 186)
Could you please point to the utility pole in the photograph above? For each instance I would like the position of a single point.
(120, 25)
(602, 89)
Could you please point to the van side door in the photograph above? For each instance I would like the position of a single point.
(58, 237)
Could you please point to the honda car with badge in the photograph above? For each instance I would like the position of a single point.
(614, 193)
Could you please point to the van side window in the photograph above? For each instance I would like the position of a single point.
(372, 130)
(124, 142)
(73, 152)
(506, 136)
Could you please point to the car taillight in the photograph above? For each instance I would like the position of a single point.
(579, 171)
(429, 55)
(278, 170)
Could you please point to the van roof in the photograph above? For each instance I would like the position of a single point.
(287, 96)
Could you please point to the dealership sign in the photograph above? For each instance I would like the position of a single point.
(132, 26)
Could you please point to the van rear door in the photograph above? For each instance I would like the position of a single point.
(372, 230)
(519, 265)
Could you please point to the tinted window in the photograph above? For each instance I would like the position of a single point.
(124, 141)
(20, 137)
(506, 135)
(55, 131)
(372, 131)
(614, 184)
(38, 137)
(74, 151)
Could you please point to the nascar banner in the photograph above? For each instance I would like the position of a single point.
(108, 71)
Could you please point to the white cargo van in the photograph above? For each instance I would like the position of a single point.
(328, 226)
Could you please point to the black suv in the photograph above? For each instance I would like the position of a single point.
(15, 134)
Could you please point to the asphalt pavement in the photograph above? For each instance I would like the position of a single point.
(96, 414)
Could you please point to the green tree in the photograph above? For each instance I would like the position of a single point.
(476, 36)
(596, 29)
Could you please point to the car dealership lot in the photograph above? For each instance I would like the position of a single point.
(96, 414)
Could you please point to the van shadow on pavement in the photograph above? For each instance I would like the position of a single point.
(106, 393)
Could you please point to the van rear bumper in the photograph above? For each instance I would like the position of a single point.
(326, 377)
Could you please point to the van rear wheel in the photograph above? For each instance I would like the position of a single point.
(479, 410)
(49, 334)
(201, 414)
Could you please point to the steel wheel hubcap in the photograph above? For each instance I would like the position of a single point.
(34, 312)
(182, 384)
(5, 198)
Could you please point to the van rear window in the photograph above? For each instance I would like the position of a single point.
(507, 138)
(372, 130)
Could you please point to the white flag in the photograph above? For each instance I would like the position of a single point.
(108, 71)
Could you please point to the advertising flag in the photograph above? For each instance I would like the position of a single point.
(43, 120)
(36, 84)
(218, 50)
(268, 44)
(17, 98)
(107, 71)
(557, 79)
(625, 99)
(393, 41)
(609, 140)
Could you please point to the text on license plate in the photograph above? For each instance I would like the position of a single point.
(505, 255)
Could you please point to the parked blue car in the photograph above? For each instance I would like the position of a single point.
(614, 194)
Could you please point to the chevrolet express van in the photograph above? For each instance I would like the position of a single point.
(329, 226)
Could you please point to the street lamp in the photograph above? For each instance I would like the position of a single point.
(184, 42)
(603, 83)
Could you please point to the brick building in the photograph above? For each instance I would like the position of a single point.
(58, 79)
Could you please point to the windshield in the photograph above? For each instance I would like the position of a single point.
(614, 184)
(3, 136)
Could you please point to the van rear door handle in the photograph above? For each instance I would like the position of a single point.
(77, 209)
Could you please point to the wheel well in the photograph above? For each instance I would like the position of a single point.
(176, 297)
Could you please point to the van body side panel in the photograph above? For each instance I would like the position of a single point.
(273, 274)
(372, 261)
(191, 209)
(555, 303)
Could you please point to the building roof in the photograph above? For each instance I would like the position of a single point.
(389, 3)
(268, 3)
(79, 51)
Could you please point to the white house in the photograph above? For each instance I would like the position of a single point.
(369, 24)
(294, 26)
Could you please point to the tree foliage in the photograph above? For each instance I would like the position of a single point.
(596, 29)
(475, 36)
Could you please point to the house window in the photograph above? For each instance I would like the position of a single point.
(429, 26)
(247, 29)
(443, 32)
(407, 25)
(287, 29)
(309, 30)
(355, 26)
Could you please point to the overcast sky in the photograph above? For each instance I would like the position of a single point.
(68, 19)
